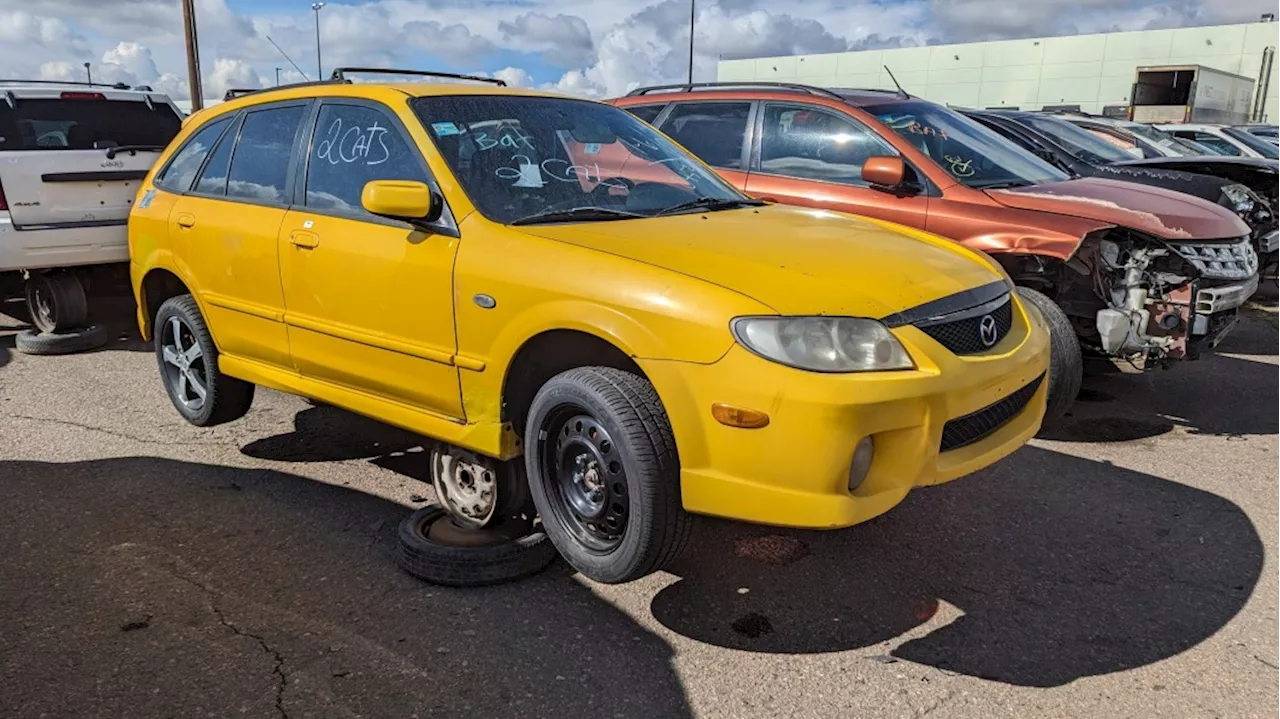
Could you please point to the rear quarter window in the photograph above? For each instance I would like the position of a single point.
(87, 124)
(182, 169)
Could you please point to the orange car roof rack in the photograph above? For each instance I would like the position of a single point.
(690, 87)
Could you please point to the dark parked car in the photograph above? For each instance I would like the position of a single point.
(1084, 154)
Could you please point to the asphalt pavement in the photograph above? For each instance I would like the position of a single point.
(1123, 565)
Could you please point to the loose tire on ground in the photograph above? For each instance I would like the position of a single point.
(225, 398)
(1066, 365)
(467, 566)
(623, 416)
(61, 343)
(56, 301)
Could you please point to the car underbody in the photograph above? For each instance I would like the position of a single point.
(1146, 302)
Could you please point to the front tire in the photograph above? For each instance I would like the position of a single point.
(1066, 364)
(188, 361)
(604, 473)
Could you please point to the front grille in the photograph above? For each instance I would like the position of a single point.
(965, 336)
(964, 431)
(1221, 260)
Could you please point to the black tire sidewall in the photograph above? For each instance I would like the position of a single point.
(33, 343)
(451, 566)
(620, 563)
(185, 309)
(1066, 362)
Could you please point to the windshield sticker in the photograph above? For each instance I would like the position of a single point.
(526, 174)
(147, 197)
(444, 129)
(960, 167)
(592, 148)
(355, 145)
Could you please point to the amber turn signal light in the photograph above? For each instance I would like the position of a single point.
(731, 416)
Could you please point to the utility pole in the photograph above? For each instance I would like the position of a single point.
(193, 54)
(88, 71)
(318, 6)
(692, 14)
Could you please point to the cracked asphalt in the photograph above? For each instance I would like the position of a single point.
(1123, 565)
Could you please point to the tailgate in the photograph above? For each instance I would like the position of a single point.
(52, 187)
(54, 146)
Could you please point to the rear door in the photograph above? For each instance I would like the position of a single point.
(57, 166)
(714, 130)
(812, 156)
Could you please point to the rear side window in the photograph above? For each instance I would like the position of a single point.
(354, 145)
(213, 178)
(85, 124)
(1213, 142)
(182, 169)
(648, 113)
(260, 165)
(714, 131)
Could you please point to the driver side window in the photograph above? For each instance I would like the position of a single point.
(806, 142)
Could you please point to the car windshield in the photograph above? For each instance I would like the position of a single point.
(1166, 143)
(530, 159)
(973, 154)
(1080, 143)
(1253, 142)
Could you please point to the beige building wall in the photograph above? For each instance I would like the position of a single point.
(1087, 70)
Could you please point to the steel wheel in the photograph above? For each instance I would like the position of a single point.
(589, 478)
(466, 488)
(184, 364)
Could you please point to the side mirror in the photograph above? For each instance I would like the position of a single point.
(884, 172)
(401, 200)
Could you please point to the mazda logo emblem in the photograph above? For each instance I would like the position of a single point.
(987, 331)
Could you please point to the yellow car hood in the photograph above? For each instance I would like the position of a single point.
(797, 261)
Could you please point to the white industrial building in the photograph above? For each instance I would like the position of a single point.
(1093, 72)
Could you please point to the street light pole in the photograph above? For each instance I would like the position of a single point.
(692, 11)
(317, 6)
(278, 76)
(193, 54)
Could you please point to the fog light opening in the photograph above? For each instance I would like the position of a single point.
(863, 454)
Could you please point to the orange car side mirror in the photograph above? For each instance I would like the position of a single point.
(884, 171)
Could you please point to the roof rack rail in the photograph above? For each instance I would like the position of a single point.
(340, 74)
(691, 86)
(113, 86)
(237, 92)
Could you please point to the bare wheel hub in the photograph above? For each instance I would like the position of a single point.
(466, 486)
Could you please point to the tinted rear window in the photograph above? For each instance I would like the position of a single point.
(49, 124)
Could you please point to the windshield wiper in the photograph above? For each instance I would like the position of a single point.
(131, 149)
(710, 203)
(1004, 185)
(588, 214)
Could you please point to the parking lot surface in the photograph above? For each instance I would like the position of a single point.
(1121, 566)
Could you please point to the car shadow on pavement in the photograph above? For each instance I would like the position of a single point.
(1057, 568)
(323, 433)
(1195, 395)
(151, 587)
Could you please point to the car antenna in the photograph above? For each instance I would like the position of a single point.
(901, 92)
(291, 62)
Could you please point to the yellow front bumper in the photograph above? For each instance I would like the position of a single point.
(795, 471)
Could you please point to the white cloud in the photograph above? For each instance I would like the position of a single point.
(596, 48)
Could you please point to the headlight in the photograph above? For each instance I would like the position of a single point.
(1239, 196)
(823, 344)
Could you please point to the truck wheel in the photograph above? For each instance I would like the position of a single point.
(188, 362)
(431, 547)
(1066, 365)
(604, 473)
(56, 301)
(61, 343)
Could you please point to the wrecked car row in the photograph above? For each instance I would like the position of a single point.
(1146, 266)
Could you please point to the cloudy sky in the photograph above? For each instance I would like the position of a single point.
(597, 47)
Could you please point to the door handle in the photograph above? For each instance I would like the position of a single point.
(186, 221)
(303, 239)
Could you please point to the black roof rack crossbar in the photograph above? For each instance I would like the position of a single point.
(236, 92)
(340, 74)
(691, 86)
(115, 86)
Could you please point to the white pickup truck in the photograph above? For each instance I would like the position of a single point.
(72, 156)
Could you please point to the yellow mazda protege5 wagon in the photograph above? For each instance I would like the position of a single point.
(574, 310)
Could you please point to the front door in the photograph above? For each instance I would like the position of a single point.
(226, 228)
(812, 156)
(369, 301)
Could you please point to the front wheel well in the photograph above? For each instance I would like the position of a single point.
(548, 354)
(159, 285)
